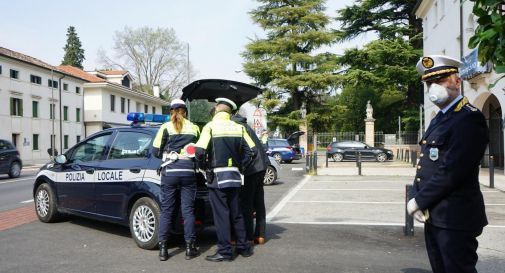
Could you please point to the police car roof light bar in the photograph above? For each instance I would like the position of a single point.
(133, 116)
(153, 118)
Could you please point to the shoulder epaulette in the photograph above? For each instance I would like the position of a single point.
(460, 105)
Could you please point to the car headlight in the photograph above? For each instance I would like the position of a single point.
(389, 152)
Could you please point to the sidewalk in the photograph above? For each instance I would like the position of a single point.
(394, 168)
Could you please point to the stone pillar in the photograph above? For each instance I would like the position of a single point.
(369, 125)
(304, 138)
(370, 131)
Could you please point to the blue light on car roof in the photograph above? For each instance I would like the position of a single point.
(157, 118)
(141, 117)
(135, 117)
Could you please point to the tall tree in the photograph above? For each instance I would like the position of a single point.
(288, 62)
(152, 56)
(386, 65)
(74, 53)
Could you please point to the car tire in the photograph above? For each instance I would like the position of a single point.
(288, 161)
(15, 169)
(381, 157)
(270, 176)
(144, 223)
(337, 157)
(277, 157)
(45, 204)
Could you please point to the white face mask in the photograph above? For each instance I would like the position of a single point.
(438, 94)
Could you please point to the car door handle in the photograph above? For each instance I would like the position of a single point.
(90, 171)
(135, 170)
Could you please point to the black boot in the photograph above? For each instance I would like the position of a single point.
(163, 251)
(191, 250)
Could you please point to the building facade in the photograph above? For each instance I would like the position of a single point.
(45, 108)
(41, 107)
(447, 27)
(109, 97)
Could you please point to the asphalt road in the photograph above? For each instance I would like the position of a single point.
(16, 192)
(317, 224)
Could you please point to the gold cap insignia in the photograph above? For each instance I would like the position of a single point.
(427, 62)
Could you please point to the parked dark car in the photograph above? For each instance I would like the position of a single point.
(339, 151)
(10, 162)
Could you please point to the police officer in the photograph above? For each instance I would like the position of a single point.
(264, 137)
(446, 193)
(177, 174)
(252, 195)
(225, 149)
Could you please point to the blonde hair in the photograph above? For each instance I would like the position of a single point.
(177, 118)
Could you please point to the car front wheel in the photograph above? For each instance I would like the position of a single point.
(270, 176)
(381, 157)
(144, 226)
(15, 170)
(337, 157)
(45, 204)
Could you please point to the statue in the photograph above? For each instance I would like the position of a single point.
(369, 110)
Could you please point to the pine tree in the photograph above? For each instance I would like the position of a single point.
(288, 62)
(74, 54)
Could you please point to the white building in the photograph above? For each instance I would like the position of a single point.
(37, 101)
(109, 97)
(447, 27)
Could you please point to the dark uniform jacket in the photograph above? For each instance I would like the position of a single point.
(446, 182)
(260, 161)
(226, 149)
(168, 139)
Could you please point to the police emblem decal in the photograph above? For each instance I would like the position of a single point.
(428, 62)
(433, 154)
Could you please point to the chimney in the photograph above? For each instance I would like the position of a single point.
(156, 90)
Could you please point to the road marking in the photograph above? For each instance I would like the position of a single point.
(16, 180)
(361, 181)
(495, 226)
(286, 198)
(353, 190)
(344, 223)
(26, 201)
(361, 223)
(349, 202)
(297, 169)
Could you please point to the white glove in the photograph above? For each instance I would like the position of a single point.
(419, 216)
(412, 206)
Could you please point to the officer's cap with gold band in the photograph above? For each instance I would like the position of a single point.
(435, 67)
(228, 102)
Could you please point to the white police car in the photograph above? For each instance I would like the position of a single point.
(111, 176)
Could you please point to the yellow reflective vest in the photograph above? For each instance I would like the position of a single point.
(226, 149)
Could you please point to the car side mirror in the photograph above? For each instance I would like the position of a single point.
(61, 159)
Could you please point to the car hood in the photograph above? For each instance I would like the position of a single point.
(210, 89)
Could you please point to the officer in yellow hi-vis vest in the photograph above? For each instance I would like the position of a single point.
(224, 150)
(177, 172)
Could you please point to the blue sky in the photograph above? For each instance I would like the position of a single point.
(216, 30)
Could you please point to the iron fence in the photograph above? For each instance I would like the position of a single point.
(380, 138)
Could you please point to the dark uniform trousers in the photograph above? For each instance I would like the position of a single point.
(226, 212)
(168, 195)
(451, 251)
(252, 198)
